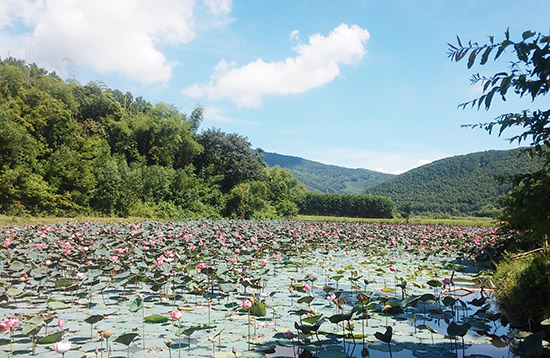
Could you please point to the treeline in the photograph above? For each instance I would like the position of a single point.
(348, 205)
(462, 185)
(70, 149)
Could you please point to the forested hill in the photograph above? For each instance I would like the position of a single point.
(72, 149)
(326, 178)
(465, 184)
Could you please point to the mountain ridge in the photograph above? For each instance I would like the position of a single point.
(320, 177)
(457, 185)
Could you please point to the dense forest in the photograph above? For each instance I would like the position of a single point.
(70, 149)
(323, 178)
(466, 184)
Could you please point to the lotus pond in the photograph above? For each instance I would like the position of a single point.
(249, 289)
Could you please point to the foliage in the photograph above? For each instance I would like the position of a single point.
(528, 208)
(351, 205)
(230, 156)
(460, 185)
(523, 289)
(528, 75)
(69, 149)
(324, 178)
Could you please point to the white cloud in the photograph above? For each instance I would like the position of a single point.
(386, 162)
(121, 36)
(218, 7)
(316, 64)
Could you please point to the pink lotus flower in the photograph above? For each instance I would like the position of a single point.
(60, 323)
(263, 261)
(201, 265)
(393, 268)
(121, 250)
(10, 323)
(246, 304)
(306, 287)
(331, 297)
(61, 347)
(289, 335)
(176, 315)
(113, 258)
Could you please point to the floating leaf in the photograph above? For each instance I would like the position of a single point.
(458, 329)
(94, 319)
(155, 319)
(126, 338)
(51, 338)
(306, 299)
(58, 305)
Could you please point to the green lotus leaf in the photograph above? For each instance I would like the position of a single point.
(126, 338)
(306, 299)
(155, 319)
(51, 338)
(94, 319)
(458, 329)
(58, 305)
(386, 337)
(136, 304)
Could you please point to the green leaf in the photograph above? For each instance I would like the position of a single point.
(14, 292)
(58, 305)
(155, 319)
(126, 339)
(94, 319)
(472, 58)
(386, 337)
(258, 309)
(527, 34)
(98, 287)
(458, 329)
(51, 338)
(63, 283)
(306, 299)
(136, 304)
(434, 283)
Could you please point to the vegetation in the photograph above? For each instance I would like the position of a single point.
(324, 178)
(526, 281)
(524, 294)
(255, 288)
(462, 185)
(68, 149)
(350, 205)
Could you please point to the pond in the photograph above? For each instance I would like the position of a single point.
(250, 289)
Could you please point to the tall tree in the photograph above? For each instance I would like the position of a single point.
(228, 155)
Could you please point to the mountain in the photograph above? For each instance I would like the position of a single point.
(326, 178)
(463, 184)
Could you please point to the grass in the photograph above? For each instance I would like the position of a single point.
(6, 220)
(467, 221)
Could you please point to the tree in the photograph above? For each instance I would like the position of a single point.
(229, 155)
(528, 75)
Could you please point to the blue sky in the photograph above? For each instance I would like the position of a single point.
(363, 84)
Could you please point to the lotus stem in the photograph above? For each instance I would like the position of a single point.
(179, 339)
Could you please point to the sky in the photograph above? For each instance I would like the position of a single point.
(359, 84)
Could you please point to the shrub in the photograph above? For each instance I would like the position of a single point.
(523, 289)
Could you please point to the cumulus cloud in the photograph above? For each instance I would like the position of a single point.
(121, 36)
(317, 63)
